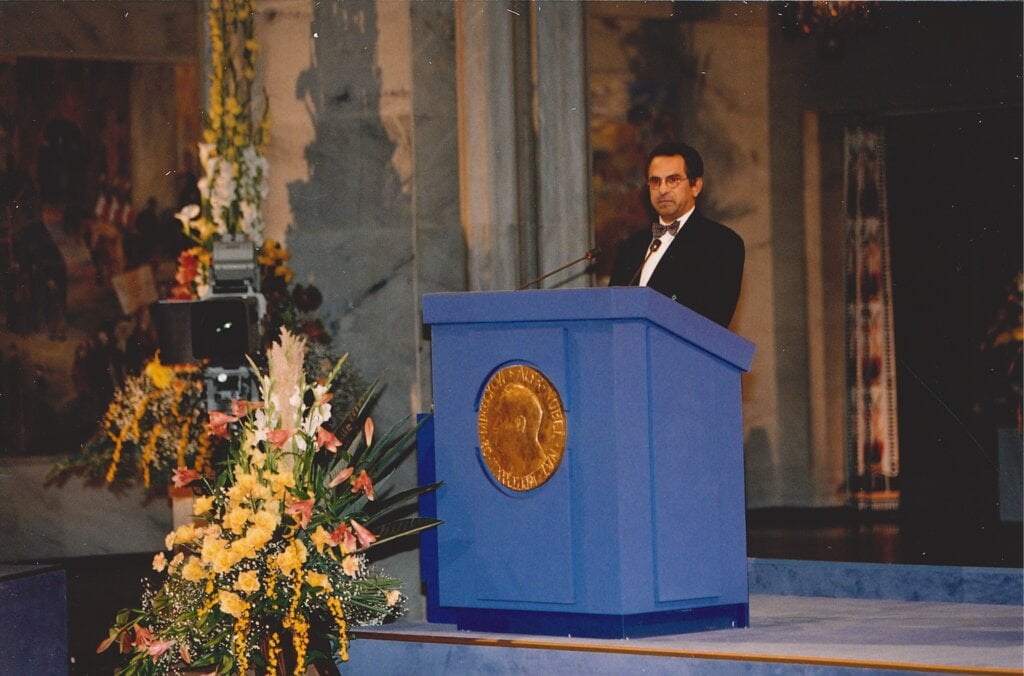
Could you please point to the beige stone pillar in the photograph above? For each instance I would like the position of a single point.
(523, 151)
(485, 55)
(563, 149)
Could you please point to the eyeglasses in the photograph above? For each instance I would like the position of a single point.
(671, 182)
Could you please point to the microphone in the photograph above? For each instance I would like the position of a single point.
(655, 245)
(589, 256)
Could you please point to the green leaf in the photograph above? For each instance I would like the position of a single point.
(404, 527)
(350, 427)
(393, 503)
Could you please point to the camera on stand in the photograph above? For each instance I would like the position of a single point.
(220, 330)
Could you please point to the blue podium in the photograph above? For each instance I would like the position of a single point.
(637, 527)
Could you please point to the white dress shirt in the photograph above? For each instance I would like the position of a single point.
(666, 242)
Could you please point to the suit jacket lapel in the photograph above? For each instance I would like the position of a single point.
(672, 263)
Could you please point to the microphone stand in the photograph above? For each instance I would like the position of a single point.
(589, 256)
(655, 245)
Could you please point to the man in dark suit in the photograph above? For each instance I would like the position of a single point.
(685, 256)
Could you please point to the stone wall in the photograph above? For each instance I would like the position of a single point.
(364, 183)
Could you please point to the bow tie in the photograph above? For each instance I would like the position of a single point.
(657, 229)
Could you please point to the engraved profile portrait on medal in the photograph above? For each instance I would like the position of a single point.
(522, 427)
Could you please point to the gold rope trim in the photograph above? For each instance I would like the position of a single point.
(677, 652)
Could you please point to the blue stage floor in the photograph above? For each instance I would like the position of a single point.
(788, 635)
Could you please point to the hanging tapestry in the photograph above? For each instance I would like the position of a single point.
(872, 440)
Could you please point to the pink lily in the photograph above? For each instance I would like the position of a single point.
(143, 636)
(363, 483)
(326, 439)
(302, 509)
(342, 476)
(366, 538)
(279, 437)
(219, 422)
(368, 431)
(158, 648)
(183, 476)
(343, 536)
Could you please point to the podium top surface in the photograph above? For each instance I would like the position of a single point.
(611, 303)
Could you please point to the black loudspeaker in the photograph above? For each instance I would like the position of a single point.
(225, 329)
(221, 330)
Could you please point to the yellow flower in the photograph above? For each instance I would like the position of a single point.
(204, 228)
(319, 580)
(280, 482)
(224, 559)
(212, 546)
(292, 558)
(244, 484)
(247, 582)
(202, 504)
(266, 518)
(246, 547)
(159, 562)
(257, 458)
(236, 519)
(321, 538)
(175, 562)
(184, 533)
(160, 375)
(256, 538)
(232, 603)
(193, 570)
(350, 565)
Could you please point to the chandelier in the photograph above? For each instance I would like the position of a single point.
(830, 22)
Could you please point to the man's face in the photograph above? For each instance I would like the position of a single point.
(671, 203)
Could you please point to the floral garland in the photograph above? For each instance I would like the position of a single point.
(154, 424)
(277, 557)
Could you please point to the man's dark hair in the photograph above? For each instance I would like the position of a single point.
(694, 162)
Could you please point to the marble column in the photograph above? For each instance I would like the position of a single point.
(485, 55)
(364, 189)
(563, 151)
(524, 162)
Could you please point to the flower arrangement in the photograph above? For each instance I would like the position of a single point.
(288, 305)
(275, 569)
(154, 424)
(192, 278)
(234, 168)
(1002, 348)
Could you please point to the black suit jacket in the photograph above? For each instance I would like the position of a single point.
(702, 268)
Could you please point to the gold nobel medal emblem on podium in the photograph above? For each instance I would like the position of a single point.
(522, 427)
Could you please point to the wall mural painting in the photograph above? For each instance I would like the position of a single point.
(632, 110)
(645, 88)
(80, 260)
